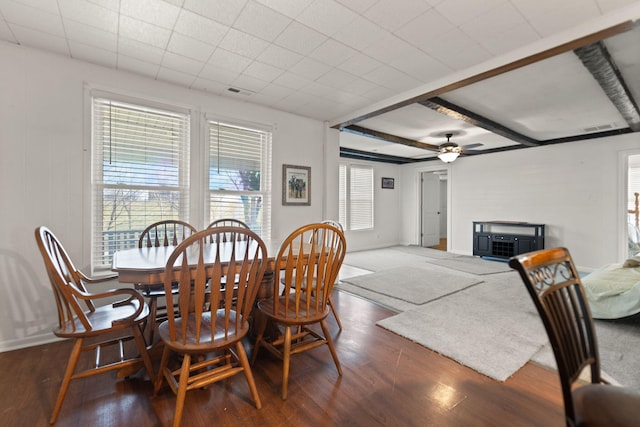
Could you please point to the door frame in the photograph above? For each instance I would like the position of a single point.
(418, 195)
(623, 191)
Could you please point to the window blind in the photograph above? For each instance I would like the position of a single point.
(361, 197)
(240, 175)
(140, 173)
(356, 196)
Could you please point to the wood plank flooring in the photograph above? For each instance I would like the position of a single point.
(387, 381)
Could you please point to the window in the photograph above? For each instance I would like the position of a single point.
(356, 197)
(140, 173)
(239, 175)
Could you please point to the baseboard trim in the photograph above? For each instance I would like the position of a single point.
(28, 342)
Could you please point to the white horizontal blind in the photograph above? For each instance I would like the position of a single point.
(356, 196)
(361, 197)
(240, 175)
(140, 173)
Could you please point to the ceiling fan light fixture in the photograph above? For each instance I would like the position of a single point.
(448, 156)
(449, 151)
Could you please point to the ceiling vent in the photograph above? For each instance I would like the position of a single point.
(240, 91)
(600, 128)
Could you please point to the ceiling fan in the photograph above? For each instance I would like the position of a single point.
(449, 151)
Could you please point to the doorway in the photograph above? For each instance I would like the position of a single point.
(433, 209)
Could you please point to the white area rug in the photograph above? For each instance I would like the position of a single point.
(488, 327)
(491, 326)
(416, 285)
(473, 265)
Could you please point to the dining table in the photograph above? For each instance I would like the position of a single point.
(145, 266)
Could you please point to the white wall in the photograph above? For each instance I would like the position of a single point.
(573, 188)
(387, 210)
(44, 161)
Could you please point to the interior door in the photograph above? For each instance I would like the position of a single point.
(430, 207)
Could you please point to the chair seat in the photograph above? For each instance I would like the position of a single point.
(606, 405)
(102, 320)
(191, 345)
(289, 317)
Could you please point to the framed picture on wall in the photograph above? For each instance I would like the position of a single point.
(388, 183)
(296, 185)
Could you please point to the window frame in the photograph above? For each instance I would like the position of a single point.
(346, 199)
(196, 211)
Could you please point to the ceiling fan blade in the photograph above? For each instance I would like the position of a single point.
(470, 146)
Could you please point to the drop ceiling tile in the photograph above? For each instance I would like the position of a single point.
(549, 17)
(145, 33)
(379, 93)
(90, 14)
(510, 39)
(200, 28)
(292, 81)
(494, 22)
(459, 12)
(177, 77)
(138, 66)
(279, 57)
(358, 6)
(424, 28)
(209, 85)
(391, 78)
(243, 44)
(181, 63)
(229, 60)
(189, 47)
(39, 40)
(300, 38)
(249, 83)
(337, 79)
(5, 32)
(273, 93)
(223, 11)
(421, 66)
(360, 86)
(332, 53)
(50, 6)
(394, 14)
(326, 16)
(91, 36)
(20, 14)
(151, 11)
(390, 48)
(263, 71)
(360, 64)
(92, 54)
(310, 68)
(218, 74)
(360, 34)
(290, 8)
(253, 17)
(136, 49)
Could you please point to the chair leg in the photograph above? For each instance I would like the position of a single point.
(327, 336)
(66, 379)
(142, 348)
(286, 359)
(261, 323)
(244, 362)
(153, 313)
(182, 389)
(164, 361)
(335, 313)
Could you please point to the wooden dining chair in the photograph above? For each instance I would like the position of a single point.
(168, 232)
(92, 327)
(557, 292)
(210, 320)
(309, 261)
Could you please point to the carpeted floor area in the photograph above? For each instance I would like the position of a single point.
(474, 311)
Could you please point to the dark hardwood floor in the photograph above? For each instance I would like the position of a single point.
(387, 381)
